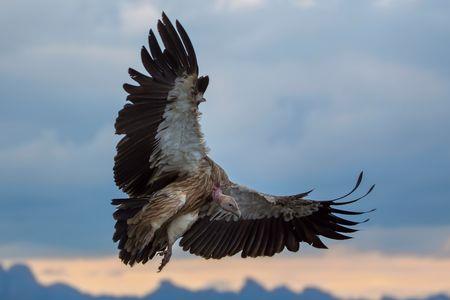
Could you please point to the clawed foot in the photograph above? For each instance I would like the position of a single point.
(167, 254)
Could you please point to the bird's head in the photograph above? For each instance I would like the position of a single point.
(227, 203)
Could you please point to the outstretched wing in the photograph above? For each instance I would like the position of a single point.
(268, 224)
(162, 134)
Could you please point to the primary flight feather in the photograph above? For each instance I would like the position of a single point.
(177, 191)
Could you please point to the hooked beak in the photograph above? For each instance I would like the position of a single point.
(200, 101)
(237, 214)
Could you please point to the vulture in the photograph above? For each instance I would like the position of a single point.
(175, 190)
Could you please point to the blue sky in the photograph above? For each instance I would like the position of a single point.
(303, 94)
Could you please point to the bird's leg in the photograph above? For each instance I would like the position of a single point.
(167, 254)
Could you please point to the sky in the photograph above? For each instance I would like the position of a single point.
(303, 94)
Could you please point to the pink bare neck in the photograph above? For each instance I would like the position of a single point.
(216, 192)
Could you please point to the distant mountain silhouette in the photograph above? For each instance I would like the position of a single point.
(19, 283)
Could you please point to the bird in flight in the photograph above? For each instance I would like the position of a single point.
(175, 190)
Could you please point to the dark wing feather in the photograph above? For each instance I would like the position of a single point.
(192, 58)
(268, 225)
(139, 119)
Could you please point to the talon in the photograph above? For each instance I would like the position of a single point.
(166, 258)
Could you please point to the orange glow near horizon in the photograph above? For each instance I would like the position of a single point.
(343, 273)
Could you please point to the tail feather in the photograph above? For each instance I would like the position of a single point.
(131, 250)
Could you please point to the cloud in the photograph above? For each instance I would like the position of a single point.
(136, 17)
(390, 3)
(237, 5)
(58, 160)
(305, 3)
(401, 241)
(446, 247)
(340, 101)
(395, 242)
(56, 59)
(298, 98)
